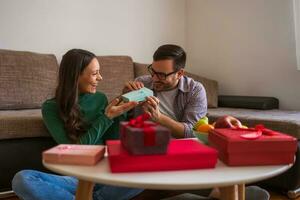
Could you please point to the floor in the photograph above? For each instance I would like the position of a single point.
(274, 196)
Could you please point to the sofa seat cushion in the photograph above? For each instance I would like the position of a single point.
(22, 124)
(26, 79)
(116, 71)
(280, 120)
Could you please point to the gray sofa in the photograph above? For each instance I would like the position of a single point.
(27, 79)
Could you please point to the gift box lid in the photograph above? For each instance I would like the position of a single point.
(74, 154)
(150, 139)
(181, 154)
(153, 125)
(230, 140)
(158, 130)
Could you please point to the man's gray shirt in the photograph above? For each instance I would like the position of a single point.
(190, 102)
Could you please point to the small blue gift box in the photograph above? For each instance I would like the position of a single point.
(137, 95)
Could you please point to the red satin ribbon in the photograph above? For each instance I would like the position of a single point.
(258, 131)
(148, 130)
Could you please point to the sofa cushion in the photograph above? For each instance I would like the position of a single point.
(249, 102)
(115, 70)
(22, 124)
(280, 120)
(27, 79)
(140, 69)
(210, 86)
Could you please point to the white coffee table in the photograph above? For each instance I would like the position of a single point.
(230, 180)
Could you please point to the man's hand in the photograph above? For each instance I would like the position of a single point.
(115, 108)
(151, 107)
(132, 85)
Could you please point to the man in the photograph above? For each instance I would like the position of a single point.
(178, 104)
(178, 100)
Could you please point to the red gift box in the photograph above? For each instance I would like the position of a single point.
(140, 137)
(74, 154)
(254, 146)
(181, 154)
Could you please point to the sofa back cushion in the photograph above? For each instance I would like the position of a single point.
(26, 79)
(210, 86)
(115, 70)
(140, 69)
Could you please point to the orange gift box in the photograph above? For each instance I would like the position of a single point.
(74, 154)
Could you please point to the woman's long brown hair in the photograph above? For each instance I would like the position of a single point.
(72, 65)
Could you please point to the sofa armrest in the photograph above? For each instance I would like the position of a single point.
(250, 102)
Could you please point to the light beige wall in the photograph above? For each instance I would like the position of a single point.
(247, 45)
(128, 27)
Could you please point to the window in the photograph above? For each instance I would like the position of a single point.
(296, 5)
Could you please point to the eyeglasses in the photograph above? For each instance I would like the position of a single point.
(160, 75)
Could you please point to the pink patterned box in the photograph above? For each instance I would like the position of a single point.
(74, 154)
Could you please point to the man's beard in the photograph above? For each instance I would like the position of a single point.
(161, 86)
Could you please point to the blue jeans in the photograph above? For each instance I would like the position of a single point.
(36, 185)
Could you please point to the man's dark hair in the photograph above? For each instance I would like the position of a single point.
(172, 52)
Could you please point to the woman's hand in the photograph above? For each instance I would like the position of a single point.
(116, 108)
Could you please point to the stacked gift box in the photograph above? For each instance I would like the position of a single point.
(147, 146)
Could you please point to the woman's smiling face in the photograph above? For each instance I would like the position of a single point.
(89, 78)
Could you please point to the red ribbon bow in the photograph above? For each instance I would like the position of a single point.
(139, 122)
(265, 131)
(148, 131)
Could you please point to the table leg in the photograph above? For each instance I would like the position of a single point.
(84, 190)
(229, 193)
(241, 191)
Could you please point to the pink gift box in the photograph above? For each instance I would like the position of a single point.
(74, 154)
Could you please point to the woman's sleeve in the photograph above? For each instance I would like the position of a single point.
(94, 134)
(56, 127)
(100, 125)
(113, 133)
(54, 124)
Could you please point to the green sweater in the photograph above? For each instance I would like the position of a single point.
(92, 107)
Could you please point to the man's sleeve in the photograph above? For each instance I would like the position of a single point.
(195, 109)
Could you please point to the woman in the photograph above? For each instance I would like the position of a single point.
(77, 114)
